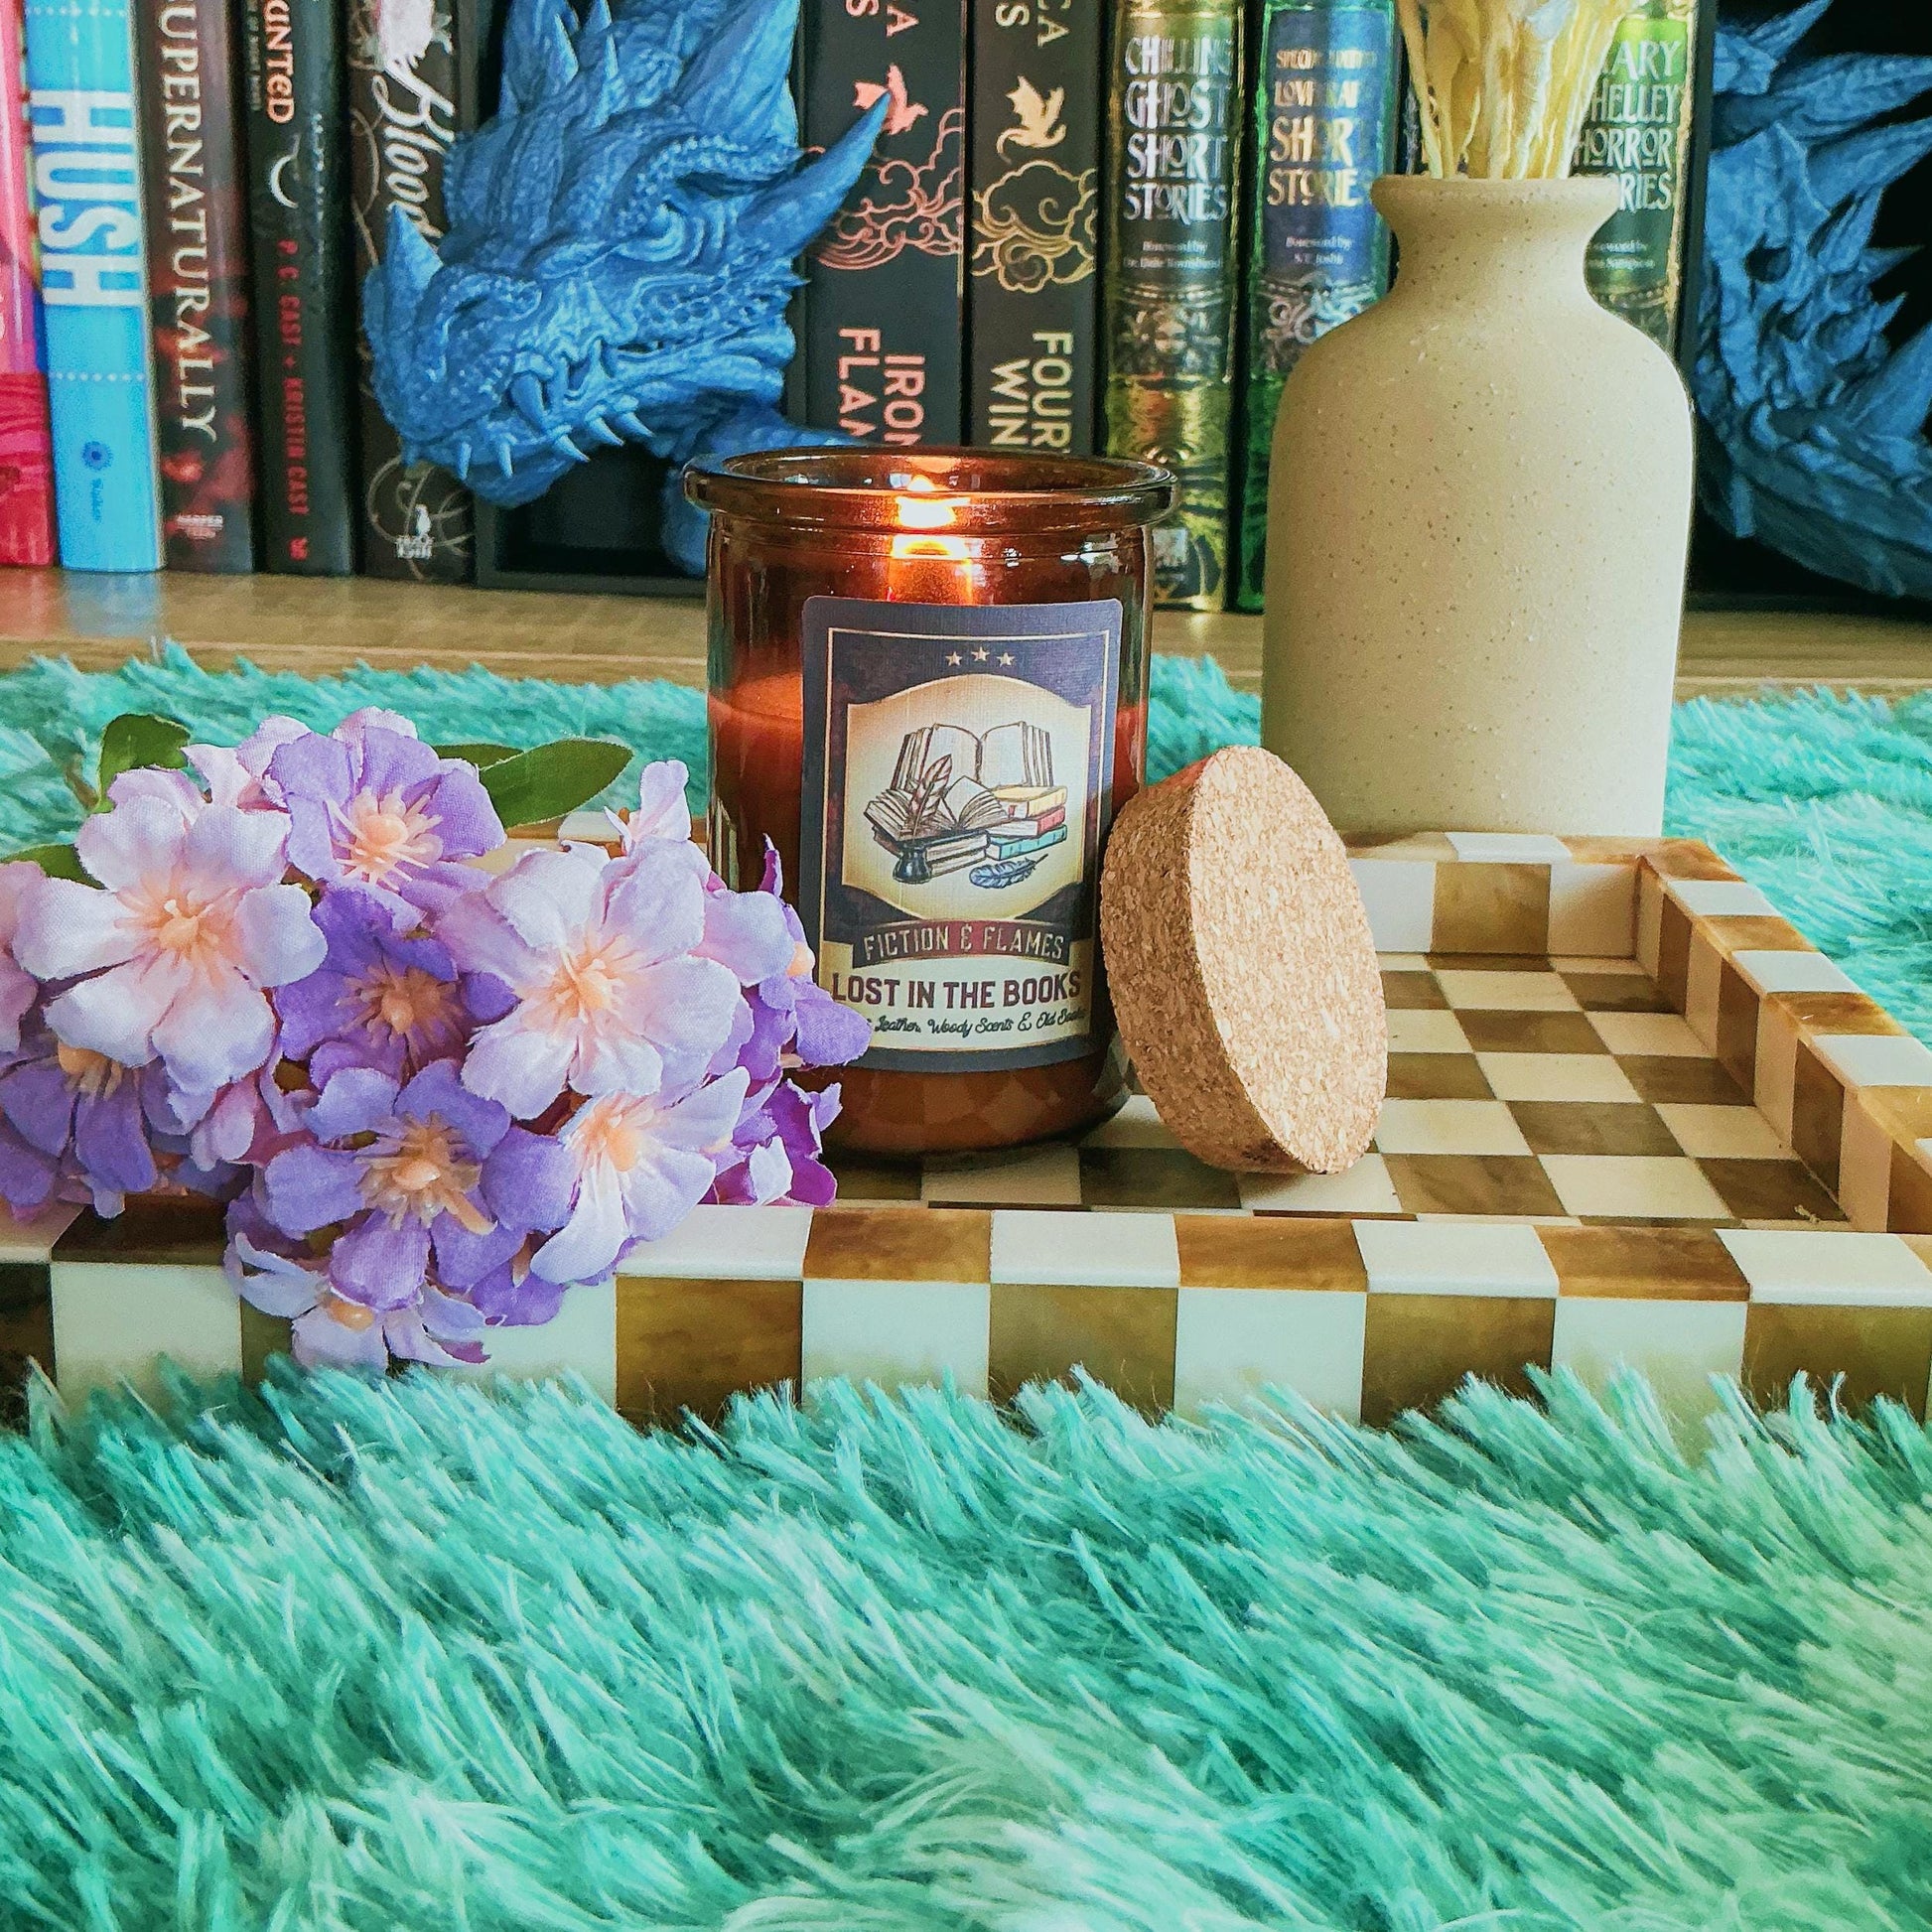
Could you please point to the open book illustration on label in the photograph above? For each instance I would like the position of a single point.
(985, 805)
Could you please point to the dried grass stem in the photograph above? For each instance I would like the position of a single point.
(1504, 85)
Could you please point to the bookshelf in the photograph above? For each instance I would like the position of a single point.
(319, 626)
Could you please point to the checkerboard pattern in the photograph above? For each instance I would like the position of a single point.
(1633, 1119)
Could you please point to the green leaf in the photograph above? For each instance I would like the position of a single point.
(552, 779)
(478, 754)
(56, 861)
(136, 742)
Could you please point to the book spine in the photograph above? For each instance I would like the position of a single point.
(297, 214)
(93, 282)
(198, 260)
(884, 306)
(1326, 107)
(26, 443)
(1168, 272)
(1639, 129)
(404, 97)
(1032, 294)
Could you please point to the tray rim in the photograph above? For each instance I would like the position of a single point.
(728, 1302)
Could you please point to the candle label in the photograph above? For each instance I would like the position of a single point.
(958, 773)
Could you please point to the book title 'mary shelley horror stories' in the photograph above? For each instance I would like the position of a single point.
(1639, 131)
(1169, 272)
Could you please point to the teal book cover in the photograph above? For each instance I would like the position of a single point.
(82, 114)
(1327, 97)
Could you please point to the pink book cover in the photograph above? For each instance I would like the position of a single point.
(26, 444)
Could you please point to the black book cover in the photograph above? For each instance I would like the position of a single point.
(198, 271)
(883, 310)
(1032, 293)
(404, 110)
(297, 196)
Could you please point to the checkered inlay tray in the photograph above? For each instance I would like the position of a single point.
(1633, 1118)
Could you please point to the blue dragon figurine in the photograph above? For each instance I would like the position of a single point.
(619, 255)
(1815, 418)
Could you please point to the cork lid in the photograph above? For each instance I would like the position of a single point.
(1242, 968)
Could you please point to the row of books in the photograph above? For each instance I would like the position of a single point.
(189, 190)
(1116, 224)
(1088, 225)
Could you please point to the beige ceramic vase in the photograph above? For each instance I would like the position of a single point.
(1476, 534)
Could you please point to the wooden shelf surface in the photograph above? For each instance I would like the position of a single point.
(317, 626)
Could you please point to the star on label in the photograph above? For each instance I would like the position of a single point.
(979, 656)
(952, 657)
(1006, 657)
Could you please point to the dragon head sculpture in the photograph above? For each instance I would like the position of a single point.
(620, 252)
(1815, 415)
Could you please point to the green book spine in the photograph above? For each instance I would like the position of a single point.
(1640, 128)
(1327, 106)
(1167, 286)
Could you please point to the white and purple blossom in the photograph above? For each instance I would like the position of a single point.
(640, 1164)
(243, 1124)
(175, 953)
(744, 931)
(598, 957)
(661, 811)
(239, 777)
(374, 807)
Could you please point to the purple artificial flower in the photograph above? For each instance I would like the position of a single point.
(776, 1150)
(374, 807)
(332, 1330)
(379, 998)
(640, 1164)
(80, 1111)
(403, 1173)
(661, 811)
(18, 987)
(746, 932)
(793, 1016)
(239, 777)
(247, 1123)
(74, 1126)
(598, 954)
(175, 953)
(28, 1179)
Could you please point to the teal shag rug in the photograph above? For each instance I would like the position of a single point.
(418, 1655)
(1824, 801)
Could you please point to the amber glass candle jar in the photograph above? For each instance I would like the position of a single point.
(929, 690)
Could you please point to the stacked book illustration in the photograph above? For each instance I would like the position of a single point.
(960, 800)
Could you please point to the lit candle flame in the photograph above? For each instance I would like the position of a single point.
(923, 508)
